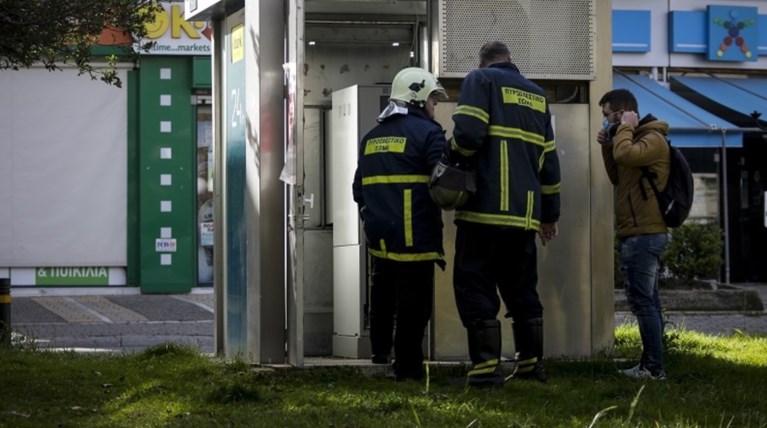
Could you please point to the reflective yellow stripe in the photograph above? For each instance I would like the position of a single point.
(385, 145)
(405, 257)
(527, 365)
(519, 134)
(474, 112)
(394, 179)
(552, 189)
(498, 219)
(547, 147)
(484, 368)
(5, 298)
(530, 203)
(408, 220)
(504, 197)
(456, 148)
(477, 372)
(488, 363)
(523, 98)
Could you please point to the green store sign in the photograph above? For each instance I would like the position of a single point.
(72, 276)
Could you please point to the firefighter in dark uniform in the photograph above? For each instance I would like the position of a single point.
(503, 130)
(403, 227)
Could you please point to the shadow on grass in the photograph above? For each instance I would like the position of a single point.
(713, 381)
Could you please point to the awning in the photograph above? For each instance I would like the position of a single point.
(755, 86)
(731, 99)
(689, 125)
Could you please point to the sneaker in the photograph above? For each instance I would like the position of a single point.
(639, 372)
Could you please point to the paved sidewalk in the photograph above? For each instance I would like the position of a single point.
(117, 320)
(715, 322)
(122, 320)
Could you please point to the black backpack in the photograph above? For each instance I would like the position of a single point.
(675, 200)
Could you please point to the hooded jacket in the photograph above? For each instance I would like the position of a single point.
(633, 148)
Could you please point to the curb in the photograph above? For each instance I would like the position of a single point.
(722, 300)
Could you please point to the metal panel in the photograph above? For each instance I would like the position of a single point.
(318, 291)
(253, 197)
(350, 338)
(342, 164)
(373, 7)
(348, 255)
(601, 225)
(330, 67)
(565, 283)
(565, 280)
(296, 321)
(354, 113)
(266, 142)
(548, 39)
(235, 258)
(448, 336)
(314, 172)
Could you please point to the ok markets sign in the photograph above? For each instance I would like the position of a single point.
(173, 35)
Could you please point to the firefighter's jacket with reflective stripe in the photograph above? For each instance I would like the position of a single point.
(503, 127)
(395, 161)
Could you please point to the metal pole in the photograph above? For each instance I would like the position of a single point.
(726, 210)
(5, 311)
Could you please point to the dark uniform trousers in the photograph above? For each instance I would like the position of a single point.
(404, 289)
(490, 260)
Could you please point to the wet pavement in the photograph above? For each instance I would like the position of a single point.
(122, 320)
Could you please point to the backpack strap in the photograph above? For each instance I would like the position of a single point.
(651, 176)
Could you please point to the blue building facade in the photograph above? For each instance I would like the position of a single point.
(702, 67)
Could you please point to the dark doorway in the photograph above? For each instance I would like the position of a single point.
(751, 210)
(746, 174)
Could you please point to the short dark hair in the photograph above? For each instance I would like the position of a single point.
(494, 51)
(620, 99)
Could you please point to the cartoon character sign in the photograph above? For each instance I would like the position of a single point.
(730, 26)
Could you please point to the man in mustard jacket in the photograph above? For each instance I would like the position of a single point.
(628, 145)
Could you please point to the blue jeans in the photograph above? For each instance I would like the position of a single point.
(640, 262)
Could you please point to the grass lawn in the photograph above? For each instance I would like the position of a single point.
(714, 381)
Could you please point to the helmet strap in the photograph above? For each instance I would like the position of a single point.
(416, 103)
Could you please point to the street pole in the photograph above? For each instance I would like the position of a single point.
(726, 209)
(5, 311)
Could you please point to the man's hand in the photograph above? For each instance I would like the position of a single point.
(548, 231)
(630, 118)
(603, 137)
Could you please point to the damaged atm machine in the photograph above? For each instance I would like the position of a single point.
(297, 83)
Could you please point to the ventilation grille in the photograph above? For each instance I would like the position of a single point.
(549, 39)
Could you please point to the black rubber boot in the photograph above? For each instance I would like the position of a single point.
(528, 340)
(485, 353)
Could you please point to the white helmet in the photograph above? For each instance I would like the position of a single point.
(414, 85)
